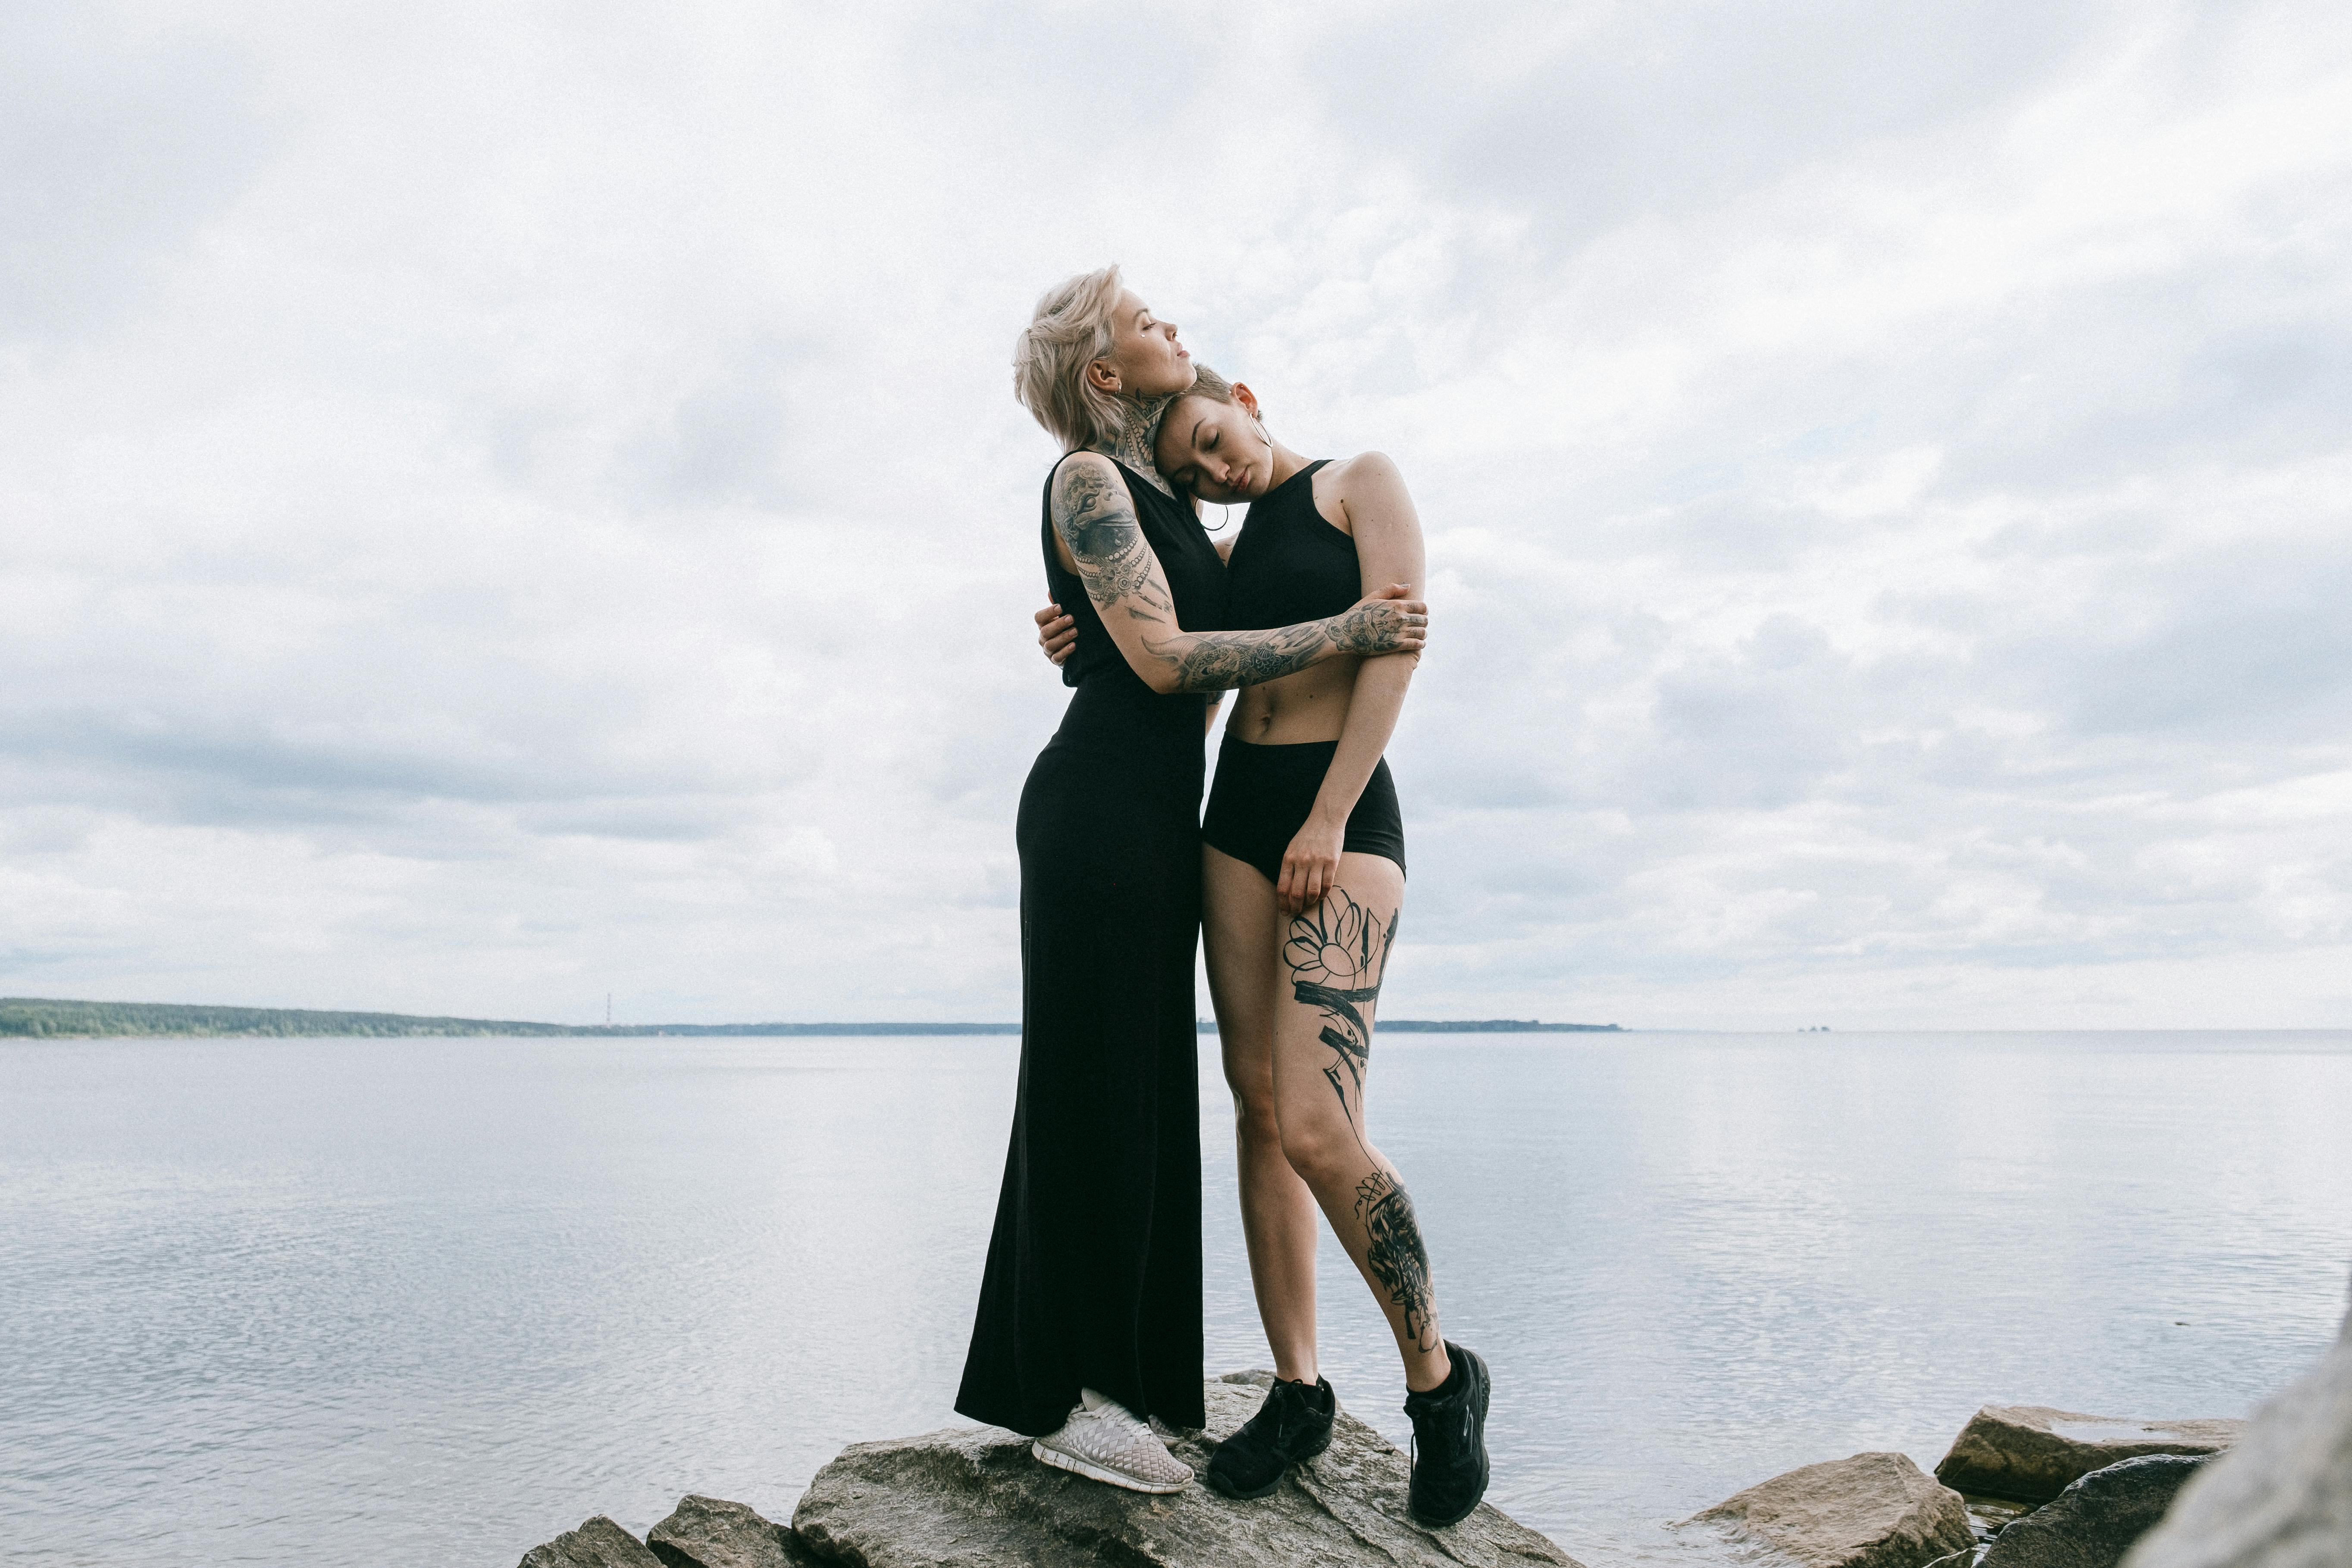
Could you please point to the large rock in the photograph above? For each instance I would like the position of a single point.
(711, 1533)
(2283, 1497)
(973, 1498)
(1873, 1510)
(599, 1543)
(2032, 1453)
(2095, 1520)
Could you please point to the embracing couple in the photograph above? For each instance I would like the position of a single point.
(1089, 1319)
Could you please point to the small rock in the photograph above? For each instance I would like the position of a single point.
(2032, 1453)
(711, 1533)
(971, 1497)
(2094, 1520)
(1873, 1510)
(2283, 1497)
(599, 1543)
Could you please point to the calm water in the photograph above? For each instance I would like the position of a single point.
(391, 1302)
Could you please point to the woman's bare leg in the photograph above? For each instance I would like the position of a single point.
(1239, 933)
(1331, 962)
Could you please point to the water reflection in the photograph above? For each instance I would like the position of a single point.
(347, 1302)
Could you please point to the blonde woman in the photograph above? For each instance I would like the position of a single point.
(1089, 1316)
(1303, 885)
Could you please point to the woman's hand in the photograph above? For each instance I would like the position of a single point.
(1387, 622)
(1057, 633)
(1310, 866)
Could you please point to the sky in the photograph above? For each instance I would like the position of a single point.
(502, 504)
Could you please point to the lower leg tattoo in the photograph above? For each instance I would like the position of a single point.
(1394, 1253)
(1338, 954)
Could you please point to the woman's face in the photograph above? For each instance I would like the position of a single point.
(1145, 360)
(1219, 451)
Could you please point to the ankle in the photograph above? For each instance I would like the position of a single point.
(1432, 1373)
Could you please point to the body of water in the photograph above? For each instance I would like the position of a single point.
(339, 1303)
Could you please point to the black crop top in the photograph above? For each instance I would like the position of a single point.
(1290, 565)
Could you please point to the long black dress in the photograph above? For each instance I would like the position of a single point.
(1094, 1271)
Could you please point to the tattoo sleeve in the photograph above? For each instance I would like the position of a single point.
(1219, 661)
(1095, 517)
(1367, 629)
(1097, 521)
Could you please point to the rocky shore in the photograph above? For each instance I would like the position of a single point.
(2023, 1487)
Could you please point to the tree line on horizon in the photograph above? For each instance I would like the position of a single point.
(37, 1017)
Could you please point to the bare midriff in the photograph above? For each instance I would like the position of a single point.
(1311, 705)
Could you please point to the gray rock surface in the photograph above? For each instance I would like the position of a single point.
(2095, 1520)
(973, 1496)
(1873, 1510)
(711, 1533)
(2032, 1453)
(599, 1543)
(2283, 1497)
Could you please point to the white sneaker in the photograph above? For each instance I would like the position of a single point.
(1104, 1441)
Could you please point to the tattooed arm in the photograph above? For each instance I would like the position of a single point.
(1097, 536)
(1387, 531)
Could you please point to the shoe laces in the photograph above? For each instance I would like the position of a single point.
(1282, 1410)
(1289, 1407)
(1129, 1427)
(1454, 1414)
(1126, 1438)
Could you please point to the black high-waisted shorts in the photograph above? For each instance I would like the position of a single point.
(1264, 794)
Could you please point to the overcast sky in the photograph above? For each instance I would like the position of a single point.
(501, 503)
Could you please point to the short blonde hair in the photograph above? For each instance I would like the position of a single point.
(1071, 330)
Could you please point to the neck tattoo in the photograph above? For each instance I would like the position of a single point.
(1132, 445)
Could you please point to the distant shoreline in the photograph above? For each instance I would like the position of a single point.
(38, 1018)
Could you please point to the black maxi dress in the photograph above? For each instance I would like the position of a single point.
(1094, 1271)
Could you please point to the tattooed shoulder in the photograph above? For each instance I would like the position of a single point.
(1086, 488)
(1096, 518)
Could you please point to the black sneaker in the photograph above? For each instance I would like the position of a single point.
(1449, 1442)
(1293, 1424)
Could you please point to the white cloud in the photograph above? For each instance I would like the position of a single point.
(503, 507)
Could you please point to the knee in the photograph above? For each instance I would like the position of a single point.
(1321, 1150)
(1255, 1121)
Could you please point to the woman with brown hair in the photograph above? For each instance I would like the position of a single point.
(1303, 886)
(1089, 1317)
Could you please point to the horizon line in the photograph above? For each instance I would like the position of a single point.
(51, 1016)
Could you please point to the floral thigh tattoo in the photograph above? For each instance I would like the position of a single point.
(1338, 953)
